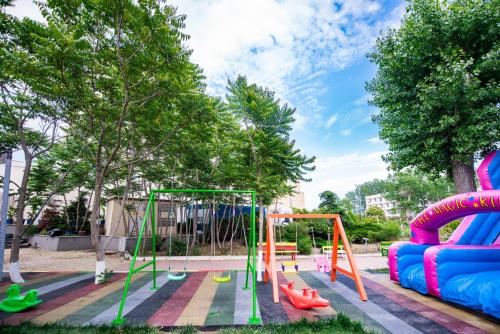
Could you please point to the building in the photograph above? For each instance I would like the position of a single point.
(16, 176)
(288, 203)
(378, 200)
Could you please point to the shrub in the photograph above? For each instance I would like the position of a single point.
(375, 211)
(298, 232)
(304, 245)
(388, 231)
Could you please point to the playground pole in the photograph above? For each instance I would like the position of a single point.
(254, 320)
(5, 206)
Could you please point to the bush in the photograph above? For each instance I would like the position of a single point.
(304, 245)
(298, 232)
(388, 231)
(375, 211)
(384, 231)
(178, 247)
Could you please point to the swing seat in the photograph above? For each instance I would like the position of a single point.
(222, 279)
(286, 264)
(173, 277)
(17, 303)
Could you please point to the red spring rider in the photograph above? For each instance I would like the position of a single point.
(303, 300)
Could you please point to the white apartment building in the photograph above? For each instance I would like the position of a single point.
(386, 205)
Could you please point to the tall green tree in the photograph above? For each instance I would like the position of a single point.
(122, 68)
(437, 87)
(29, 108)
(273, 164)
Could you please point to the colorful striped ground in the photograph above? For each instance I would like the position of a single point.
(73, 298)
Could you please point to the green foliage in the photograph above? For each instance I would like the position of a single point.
(178, 248)
(414, 191)
(341, 324)
(356, 198)
(330, 203)
(446, 231)
(437, 85)
(272, 162)
(78, 215)
(383, 231)
(375, 211)
(298, 232)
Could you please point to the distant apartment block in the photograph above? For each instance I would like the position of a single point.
(379, 201)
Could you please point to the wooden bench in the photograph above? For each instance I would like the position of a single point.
(285, 248)
(329, 249)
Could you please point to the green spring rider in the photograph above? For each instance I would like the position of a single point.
(15, 302)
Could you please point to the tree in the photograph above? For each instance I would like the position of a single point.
(122, 69)
(414, 191)
(27, 97)
(437, 87)
(331, 203)
(375, 211)
(358, 195)
(273, 164)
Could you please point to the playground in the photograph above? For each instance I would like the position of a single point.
(246, 167)
(210, 295)
(72, 298)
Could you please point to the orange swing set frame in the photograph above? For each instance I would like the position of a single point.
(338, 230)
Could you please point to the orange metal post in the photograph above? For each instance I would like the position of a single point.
(352, 263)
(335, 255)
(270, 263)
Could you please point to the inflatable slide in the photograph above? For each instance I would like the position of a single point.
(466, 268)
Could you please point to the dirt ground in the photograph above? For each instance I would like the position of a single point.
(32, 259)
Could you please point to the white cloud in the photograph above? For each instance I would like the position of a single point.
(341, 173)
(285, 45)
(374, 140)
(346, 132)
(331, 120)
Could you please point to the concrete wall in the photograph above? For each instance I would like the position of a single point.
(72, 243)
(62, 243)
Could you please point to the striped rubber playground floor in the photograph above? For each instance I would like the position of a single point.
(73, 298)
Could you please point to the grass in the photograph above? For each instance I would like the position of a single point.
(380, 270)
(340, 325)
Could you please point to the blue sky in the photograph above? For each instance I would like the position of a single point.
(313, 54)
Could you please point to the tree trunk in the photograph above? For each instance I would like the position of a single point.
(261, 223)
(14, 267)
(463, 175)
(94, 228)
(66, 211)
(77, 223)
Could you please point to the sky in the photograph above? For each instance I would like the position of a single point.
(312, 53)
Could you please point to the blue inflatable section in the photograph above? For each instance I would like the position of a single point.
(411, 267)
(480, 291)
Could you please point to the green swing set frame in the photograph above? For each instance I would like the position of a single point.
(251, 257)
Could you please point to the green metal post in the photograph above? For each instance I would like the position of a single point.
(119, 320)
(153, 235)
(254, 320)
